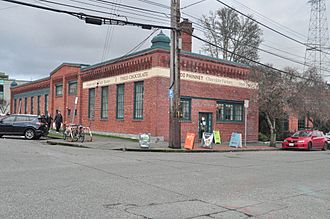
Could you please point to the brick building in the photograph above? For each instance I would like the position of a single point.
(129, 95)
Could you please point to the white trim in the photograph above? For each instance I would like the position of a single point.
(165, 72)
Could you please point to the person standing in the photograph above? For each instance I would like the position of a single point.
(49, 120)
(58, 121)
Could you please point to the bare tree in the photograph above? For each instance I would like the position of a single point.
(312, 99)
(4, 105)
(274, 95)
(237, 34)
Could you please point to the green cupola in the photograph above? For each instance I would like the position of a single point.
(161, 41)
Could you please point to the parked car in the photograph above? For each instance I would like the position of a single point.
(306, 139)
(328, 138)
(30, 126)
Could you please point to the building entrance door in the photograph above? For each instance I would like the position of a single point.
(204, 124)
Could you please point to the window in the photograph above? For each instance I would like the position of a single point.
(186, 108)
(91, 103)
(104, 102)
(120, 102)
(73, 87)
(46, 104)
(301, 122)
(15, 105)
(38, 105)
(58, 90)
(24, 118)
(20, 106)
(9, 120)
(25, 105)
(31, 105)
(69, 112)
(138, 100)
(230, 112)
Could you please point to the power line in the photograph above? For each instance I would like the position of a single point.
(136, 12)
(92, 18)
(108, 39)
(155, 4)
(203, 28)
(275, 22)
(270, 28)
(192, 4)
(129, 6)
(263, 50)
(77, 7)
(250, 60)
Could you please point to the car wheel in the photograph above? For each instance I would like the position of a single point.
(310, 146)
(29, 134)
(325, 147)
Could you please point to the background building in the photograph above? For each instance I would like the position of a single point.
(5, 84)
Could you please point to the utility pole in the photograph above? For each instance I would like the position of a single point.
(174, 120)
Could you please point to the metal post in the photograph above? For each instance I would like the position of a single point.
(74, 111)
(174, 123)
(245, 131)
(246, 106)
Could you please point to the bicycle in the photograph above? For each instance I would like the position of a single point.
(74, 132)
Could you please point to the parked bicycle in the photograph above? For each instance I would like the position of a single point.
(74, 132)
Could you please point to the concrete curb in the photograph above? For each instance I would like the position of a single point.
(168, 150)
(161, 150)
(77, 145)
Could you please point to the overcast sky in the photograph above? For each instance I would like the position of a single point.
(34, 42)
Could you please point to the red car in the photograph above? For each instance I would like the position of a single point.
(306, 139)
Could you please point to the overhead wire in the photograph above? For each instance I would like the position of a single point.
(155, 4)
(145, 14)
(270, 28)
(271, 20)
(84, 16)
(250, 60)
(203, 28)
(129, 6)
(108, 39)
(192, 4)
(78, 7)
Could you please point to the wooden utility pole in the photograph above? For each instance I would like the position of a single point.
(174, 93)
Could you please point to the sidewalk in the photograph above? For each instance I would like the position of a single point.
(111, 143)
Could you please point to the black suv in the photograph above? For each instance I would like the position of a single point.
(31, 126)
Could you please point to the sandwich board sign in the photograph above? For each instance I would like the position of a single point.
(217, 137)
(236, 140)
(144, 140)
(190, 141)
(207, 140)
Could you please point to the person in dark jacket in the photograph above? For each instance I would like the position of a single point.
(58, 121)
(49, 120)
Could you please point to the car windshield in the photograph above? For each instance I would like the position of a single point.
(302, 134)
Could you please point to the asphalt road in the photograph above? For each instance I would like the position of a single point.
(50, 181)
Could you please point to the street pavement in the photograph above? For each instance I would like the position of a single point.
(38, 180)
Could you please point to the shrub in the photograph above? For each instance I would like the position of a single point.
(262, 137)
